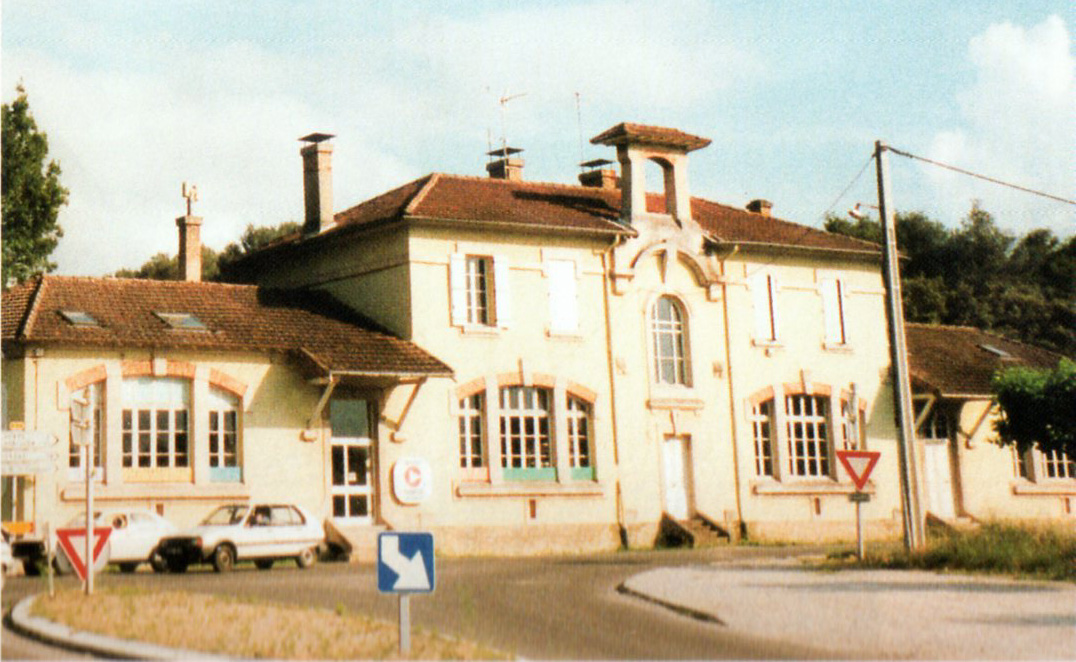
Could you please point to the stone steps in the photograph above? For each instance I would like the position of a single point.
(697, 532)
(357, 542)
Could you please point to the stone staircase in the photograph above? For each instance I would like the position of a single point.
(358, 544)
(697, 532)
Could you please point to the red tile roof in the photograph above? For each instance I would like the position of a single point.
(953, 361)
(493, 203)
(309, 325)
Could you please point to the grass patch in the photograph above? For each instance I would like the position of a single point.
(993, 548)
(239, 628)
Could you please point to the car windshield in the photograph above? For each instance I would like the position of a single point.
(226, 515)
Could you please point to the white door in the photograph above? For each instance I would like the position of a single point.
(939, 475)
(351, 458)
(677, 462)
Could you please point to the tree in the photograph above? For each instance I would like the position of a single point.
(1038, 408)
(253, 239)
(31, 195)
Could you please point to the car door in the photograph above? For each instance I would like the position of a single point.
(254, 539)
(287, 531)
(120, 544)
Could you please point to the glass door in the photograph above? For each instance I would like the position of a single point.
(351, 483)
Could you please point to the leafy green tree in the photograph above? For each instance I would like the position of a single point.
(253, 239)
(1038, 407)
(31, 194)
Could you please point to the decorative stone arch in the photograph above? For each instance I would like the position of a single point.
(82, 379)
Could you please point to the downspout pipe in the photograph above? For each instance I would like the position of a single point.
(733, 418)
(611, 367)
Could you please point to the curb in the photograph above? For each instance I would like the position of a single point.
(696, 614)
(98, 644)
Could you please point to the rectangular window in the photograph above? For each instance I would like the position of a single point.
(526, 440)
(764, 293)
(806, 422)
(471, 418)
(563, 303)
(579, 451)
(761, 427)
(224, 465)
(1056, 465)
(833, 311)
(478, 290)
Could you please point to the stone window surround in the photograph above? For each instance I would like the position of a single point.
(788, 485)
(495, 484)
(112, 373)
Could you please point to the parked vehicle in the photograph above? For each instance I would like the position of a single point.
(7, 561)
(133, 540)
(263, 533)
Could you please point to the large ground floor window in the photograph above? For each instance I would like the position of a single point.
(530, 443)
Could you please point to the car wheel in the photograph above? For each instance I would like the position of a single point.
(128, 568)
(264, 564)
(223, 558)
(157, 562)
(178, 567)
(30, 568)
(306, 558)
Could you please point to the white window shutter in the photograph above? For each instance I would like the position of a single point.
(502, 291)
(563, 303)
(831, 310)
(842, 299)
(775, 311)
(457, 278)
(764, 294)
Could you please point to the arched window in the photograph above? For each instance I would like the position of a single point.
(669, 331)
(156, 429)
(797, 435)
(526, 442)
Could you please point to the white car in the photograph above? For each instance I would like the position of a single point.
(7, 561)
(262, 533)
(133, 540)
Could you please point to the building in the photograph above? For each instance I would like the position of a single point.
(966, 475)
(580, 367)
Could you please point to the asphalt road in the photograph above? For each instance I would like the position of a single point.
(550, 608)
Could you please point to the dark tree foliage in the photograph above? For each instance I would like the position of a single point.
(1038, 407)
(164, 266)
(32, 195)
(978, 275)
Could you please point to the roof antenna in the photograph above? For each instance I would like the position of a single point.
(579, 121)
(504, 103)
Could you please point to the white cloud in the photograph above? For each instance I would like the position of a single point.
(1018, 124)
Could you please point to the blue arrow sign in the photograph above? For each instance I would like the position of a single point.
(405, 563)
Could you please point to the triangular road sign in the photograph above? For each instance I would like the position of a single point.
(859, 465)
(73, 542)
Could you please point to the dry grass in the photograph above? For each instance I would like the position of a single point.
(242, 629)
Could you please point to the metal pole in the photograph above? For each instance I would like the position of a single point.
(859, 530)
(88, 558)
(902, 391)
(405, 623)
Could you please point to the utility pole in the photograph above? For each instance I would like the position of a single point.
(902, 389)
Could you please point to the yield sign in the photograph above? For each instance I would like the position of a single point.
(73, 542)
(859, 465)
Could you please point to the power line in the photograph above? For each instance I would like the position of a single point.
(979, 176)
(848, 188)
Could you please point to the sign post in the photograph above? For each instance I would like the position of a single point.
(80, 433)
(859, 465)
(405, 566)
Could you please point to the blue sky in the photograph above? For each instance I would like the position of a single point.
(139, 97)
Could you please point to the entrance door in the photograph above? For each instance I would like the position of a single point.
(939, 474)
(351, 485)
(676, 452)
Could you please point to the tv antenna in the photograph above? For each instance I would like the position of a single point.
(579, 121)
(190, 192)
(504, 104)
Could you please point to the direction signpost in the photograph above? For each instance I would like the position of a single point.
(82, 436)
(405, 566)
(859, 465)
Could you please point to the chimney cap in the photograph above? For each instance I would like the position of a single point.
(504, 152)
(760, 206)
(595, 163)
(628, 133)
(317, 137)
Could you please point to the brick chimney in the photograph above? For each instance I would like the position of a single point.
(505, 166)
(190, 239)
(760, 206)
(317, 183)
(598, 176)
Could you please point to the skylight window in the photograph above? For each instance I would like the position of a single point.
(996, 351)
(185, 321)
(79, 318)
